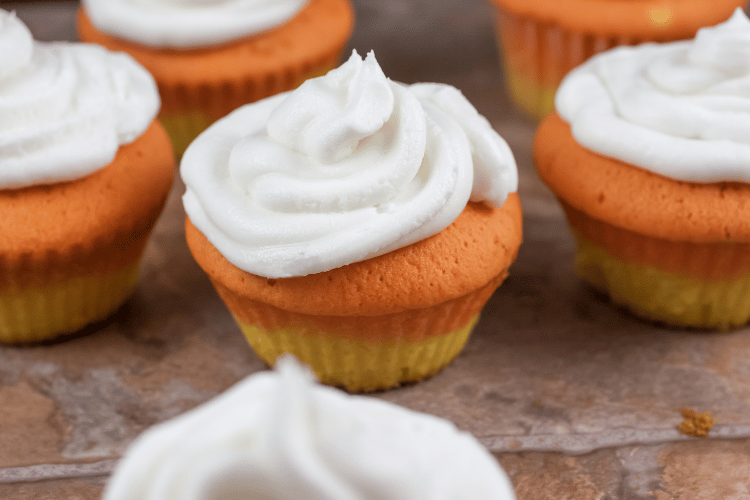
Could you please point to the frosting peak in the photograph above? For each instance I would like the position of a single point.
(724, 47)
(279, 436)
(328, 117)
(65, 108)
(681, 109)
(15, 45)
(347, 167)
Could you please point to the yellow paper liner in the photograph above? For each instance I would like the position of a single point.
(362, 353)
(673, 298)
(536, 56)
(36, 313)
(358, 364)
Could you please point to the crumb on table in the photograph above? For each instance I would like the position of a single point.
(696, 424)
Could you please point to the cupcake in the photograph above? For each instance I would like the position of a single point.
(209, 57)
(84, 173)
(649, 154)
(278, 435)
(355, 222)
(541, 40)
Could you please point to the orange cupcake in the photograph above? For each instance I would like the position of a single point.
(85, 173)
(541, 40)
(340, 229)
(209, 58)
(649, 157)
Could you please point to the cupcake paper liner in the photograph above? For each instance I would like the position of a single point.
(681, 283)
(665, 296)
(712, 261)
(36, 313)
(358, 365)
(362, 353)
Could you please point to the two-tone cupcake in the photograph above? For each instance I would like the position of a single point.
(355, 222)
(649, 154)
(84, 173)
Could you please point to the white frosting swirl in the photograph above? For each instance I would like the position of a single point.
(189, 23)
(278, 436)
(65, 108)
(347, 167)
(681, 110)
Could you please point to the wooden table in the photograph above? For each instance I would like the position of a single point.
(576, 398)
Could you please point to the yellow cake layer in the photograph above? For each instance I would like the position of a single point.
(359, 365)
(533, 98)
(665, 296)
(33, 314)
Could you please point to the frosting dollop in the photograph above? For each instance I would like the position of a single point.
(276, 435)
(189, 23)
(65, 108)
(681, 109)
(347, 167)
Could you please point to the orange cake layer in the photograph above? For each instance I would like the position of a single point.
(657, 20)
(476, 249)
(312, 39)
(717, 261)
(96, 224)
(637, 200)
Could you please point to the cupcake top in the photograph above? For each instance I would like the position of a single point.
(277, 435)
(347, 167)
(681, 109)
(187, 24)
(65, 108)
(657, 20)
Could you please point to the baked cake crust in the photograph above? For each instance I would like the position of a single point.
(637, 200)
(476, 249)
(93, 225)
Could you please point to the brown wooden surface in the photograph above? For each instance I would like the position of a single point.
(576, 398)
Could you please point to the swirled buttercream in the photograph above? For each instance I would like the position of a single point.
(681, 109)
(276, 435)
(65, 108)
(347, 167)
(189, 23)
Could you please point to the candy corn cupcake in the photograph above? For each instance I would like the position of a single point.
(649, 155)
(210, 57)
(356, 223)
(85, 173)
(541, 40)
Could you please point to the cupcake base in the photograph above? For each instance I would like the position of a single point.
(362, 353)
(682, 283)
(665, 296)
(33, 314)
(355, 364)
